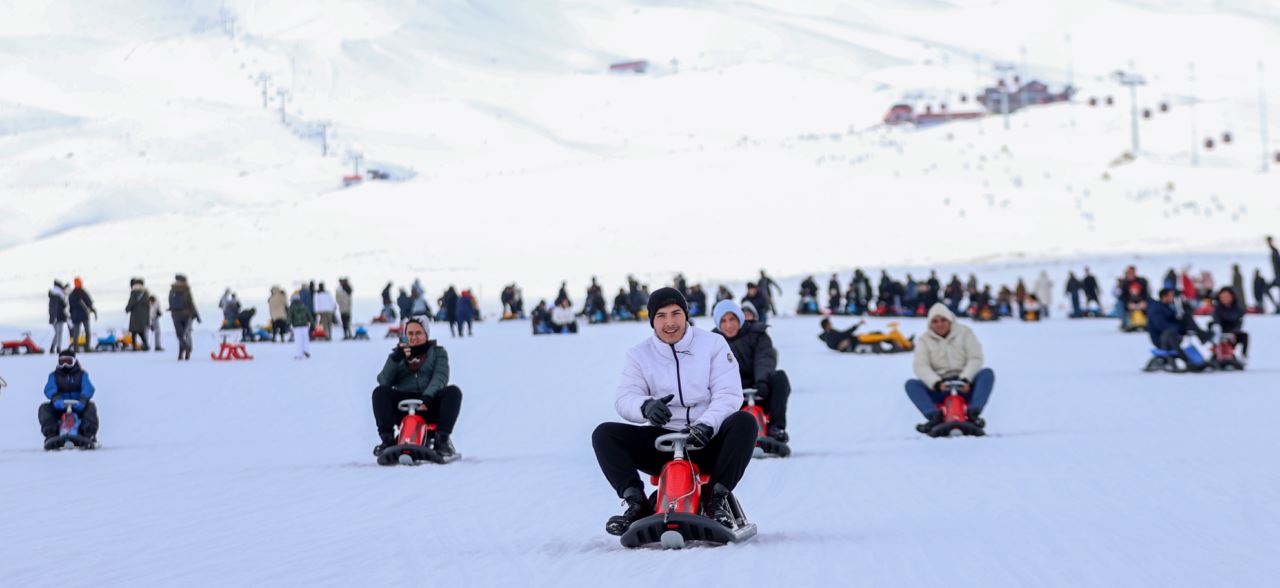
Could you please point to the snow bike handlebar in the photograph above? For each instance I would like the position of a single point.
(411, 405)
(953, 386)
(673, 442)
(750, 394)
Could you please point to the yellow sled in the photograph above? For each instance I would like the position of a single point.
(878, 342)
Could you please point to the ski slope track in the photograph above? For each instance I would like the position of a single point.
(135, 141)
(259, 473)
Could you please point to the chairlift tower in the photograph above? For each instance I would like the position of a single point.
(1132, 80)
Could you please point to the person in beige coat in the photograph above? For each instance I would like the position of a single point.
(278, 307)
(946, 352)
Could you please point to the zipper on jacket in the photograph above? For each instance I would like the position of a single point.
(680, 387)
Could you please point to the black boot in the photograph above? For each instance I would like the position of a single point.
(716, 506)
(387, 441)
(779, 434)
(975, 417)
(934, 419)
(638, 507)
(444, 445)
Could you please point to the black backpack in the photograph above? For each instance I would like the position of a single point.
(177, 301)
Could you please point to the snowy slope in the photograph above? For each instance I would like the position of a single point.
(259, 473)
(139, 145)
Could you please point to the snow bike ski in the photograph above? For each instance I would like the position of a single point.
(678, 502)
(69, 436)
(955, 414)
(765, 445)
(415, 440)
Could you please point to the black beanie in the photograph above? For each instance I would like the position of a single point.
(666, 297)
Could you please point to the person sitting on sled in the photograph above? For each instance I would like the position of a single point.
(947, 352)
(417, 369)
(69, 381)
(1228, 314)
(757, 364)
(839, 340)
(1168, 323)
(679, 379)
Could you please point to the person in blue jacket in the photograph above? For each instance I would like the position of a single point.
(1167, 324)
(69, 382)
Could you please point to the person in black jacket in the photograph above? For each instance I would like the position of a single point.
(697, 301)
(757, 364)
(1167, 326)
(759, 300)
(842, 341)
(1090, 286)
(58, 314)
(1228, 314)
(1073, 288)
(80, 306)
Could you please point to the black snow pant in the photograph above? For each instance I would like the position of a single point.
(50, 417)
(75, 336)
(280, 328)
(140, 341)
(775, 402)
(623, 449)
(442, 410)
(182, 328)
(346, 325)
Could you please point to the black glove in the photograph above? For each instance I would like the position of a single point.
(655, 409)
(699, 436)
(762, 389)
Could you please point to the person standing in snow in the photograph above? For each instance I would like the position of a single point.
(679, 379)
(1073, 290)
(80, 306)
(449, 304)
(465, 312)
(417, 369)
(405, 304)
(757, 364)
(139, 309)
(945, 352)
(156, 313)
(300, 319)
(278, 309)
(326, 307)
(344, 307)
(182, 308)
(58, 314)
(388, 310)
(767, 285)
(1044, 293)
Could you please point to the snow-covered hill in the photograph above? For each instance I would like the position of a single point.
(259, 473)
(136, 142)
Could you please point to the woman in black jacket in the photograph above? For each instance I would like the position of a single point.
(757, 364)
(1228, 314)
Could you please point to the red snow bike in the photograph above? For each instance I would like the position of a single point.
(955, 414)
(765, 445)
(415, 440)
(231, 352)
(678, 502)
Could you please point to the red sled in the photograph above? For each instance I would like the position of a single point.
(25, 346)
(394, 331)
(955, 414)
(765, 445)
(678, 503)
(231, 352)
(415, 440)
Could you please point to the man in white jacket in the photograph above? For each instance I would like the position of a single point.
(945, 352)
(682, 378)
